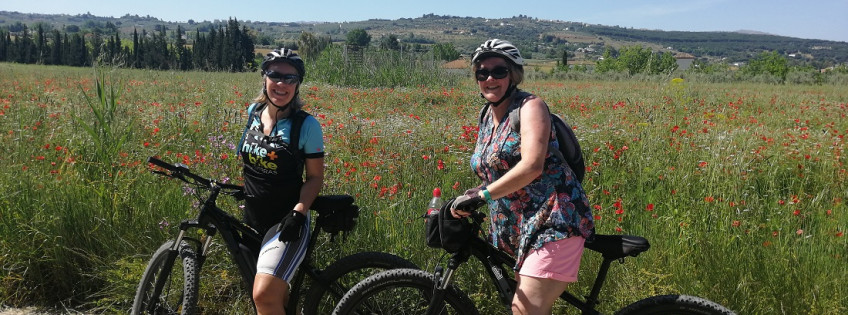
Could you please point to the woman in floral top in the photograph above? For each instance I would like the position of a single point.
(538, 208)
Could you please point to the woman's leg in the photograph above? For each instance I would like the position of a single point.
(275, 268)
(536, 295)
(270, 294)
(545, 274)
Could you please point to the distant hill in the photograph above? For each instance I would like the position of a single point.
(537, 38)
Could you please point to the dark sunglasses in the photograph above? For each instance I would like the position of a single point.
(287, 79)
(497, 73)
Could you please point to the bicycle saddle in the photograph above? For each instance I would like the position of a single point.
(617, 246)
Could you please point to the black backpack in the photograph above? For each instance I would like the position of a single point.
(569, 149)
(297, 125)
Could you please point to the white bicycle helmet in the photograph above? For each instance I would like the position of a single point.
(284, 55)
(498, 47)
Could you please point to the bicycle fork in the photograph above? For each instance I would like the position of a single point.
(444, 278)
(443, 281)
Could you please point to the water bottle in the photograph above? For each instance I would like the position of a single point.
(431, 222)
(436, 202)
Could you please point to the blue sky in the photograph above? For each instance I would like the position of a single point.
(816, 19)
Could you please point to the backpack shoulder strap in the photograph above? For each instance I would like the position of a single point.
(569, 149)
(521, 97)
(294, 138)
(297, 124)
(251, 112)
(482, 113)
(515, 124)
(515, 114)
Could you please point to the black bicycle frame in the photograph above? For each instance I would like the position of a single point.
(235, 233)
(493, 261)
(242, 241)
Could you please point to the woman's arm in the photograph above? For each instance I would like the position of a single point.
(535, 135)
(313, 184)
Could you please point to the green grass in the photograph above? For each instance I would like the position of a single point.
(740, 187)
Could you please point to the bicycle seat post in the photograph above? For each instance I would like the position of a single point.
(592, 299)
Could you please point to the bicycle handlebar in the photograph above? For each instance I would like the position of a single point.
(474, 214)
(181, 171)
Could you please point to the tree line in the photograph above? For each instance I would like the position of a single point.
(229, 47)
(635, 59)
(733, 45)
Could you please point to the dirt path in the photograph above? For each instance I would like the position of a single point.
(19, 311)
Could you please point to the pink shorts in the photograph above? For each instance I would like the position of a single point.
(559, 260)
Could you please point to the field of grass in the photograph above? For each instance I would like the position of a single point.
(740, 188)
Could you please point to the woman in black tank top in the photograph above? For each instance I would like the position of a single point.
(275, 187)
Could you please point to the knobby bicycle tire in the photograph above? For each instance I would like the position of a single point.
(344, 274)
(179, 293)
(675, 305)
(401, 291)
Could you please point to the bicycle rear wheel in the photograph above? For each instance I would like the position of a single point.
(401, 291)
(170, 282)
(343, 274)
(675, 305)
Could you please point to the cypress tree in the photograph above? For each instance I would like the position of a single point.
(66, 50)
(220, 49)
(212, 50)
(40, 45)
(74, 51)
(3, 44)
(199, 51)
(182, 52)
(248, 62)
(96, 44)
(136, 61)
(24, 47)
(86, 55)
(115, 50)
(56, 50)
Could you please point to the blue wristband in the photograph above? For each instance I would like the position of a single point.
(486, 194)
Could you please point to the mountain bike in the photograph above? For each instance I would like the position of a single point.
(413, 291)
(171, 280)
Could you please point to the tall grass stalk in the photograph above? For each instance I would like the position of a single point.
(107, 137)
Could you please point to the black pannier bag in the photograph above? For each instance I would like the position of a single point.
(444, 231)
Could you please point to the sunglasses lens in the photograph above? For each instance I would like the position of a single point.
(290, 79)
(500, 72)
(287, 79)
(497, 73)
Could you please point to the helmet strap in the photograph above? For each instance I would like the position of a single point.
(504, 97)
(281, 109)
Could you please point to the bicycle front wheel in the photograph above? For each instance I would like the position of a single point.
(343, 274)
(170, 282)
(675, 305)
(401, 291)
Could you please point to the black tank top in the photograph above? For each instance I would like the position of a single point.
(272, 177)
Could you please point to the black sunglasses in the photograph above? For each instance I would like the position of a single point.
(287, 79)
(497, 73)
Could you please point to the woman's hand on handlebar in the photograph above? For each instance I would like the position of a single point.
(463, 205)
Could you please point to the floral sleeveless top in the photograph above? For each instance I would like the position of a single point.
(552, 207)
